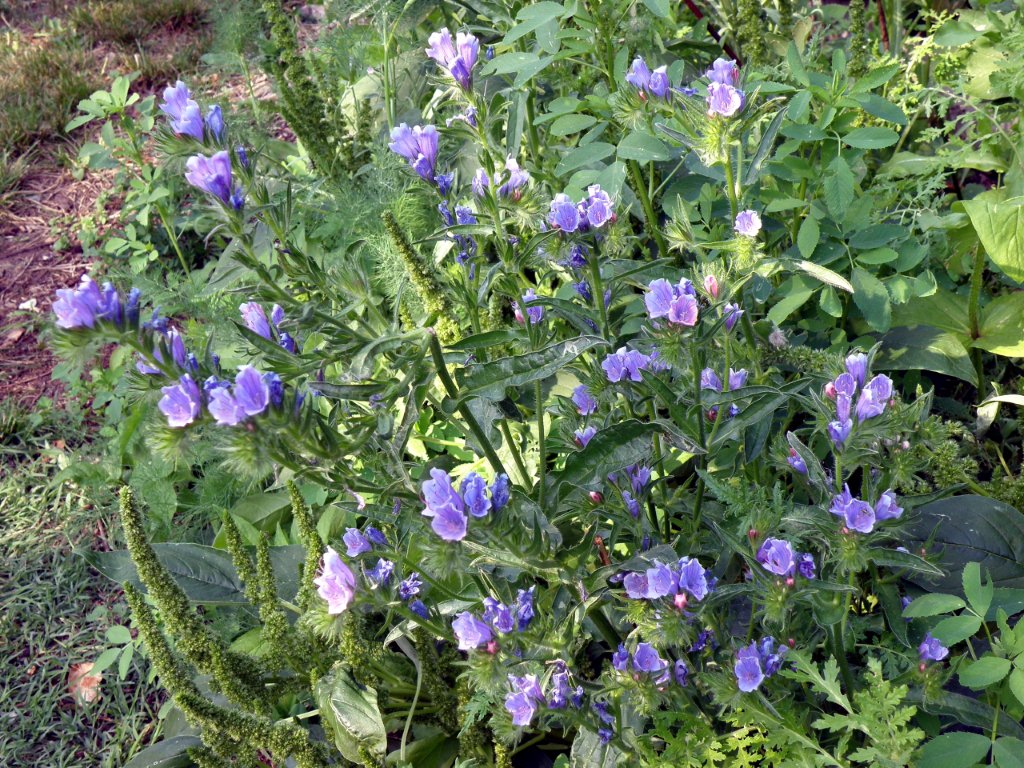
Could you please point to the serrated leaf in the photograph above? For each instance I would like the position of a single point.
(986, 671)
(956, 629)
(954, 750)
(933, 605)
(807, 237)
(871, 138)
(871, 297)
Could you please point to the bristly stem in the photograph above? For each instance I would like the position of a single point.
(648, 206)
(452, 391)
(595, 275)
(541, 459)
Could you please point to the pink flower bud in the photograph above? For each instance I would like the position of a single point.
(681, 600)
(830, 389)
(492, 647)
(596, 497)
(711, 286)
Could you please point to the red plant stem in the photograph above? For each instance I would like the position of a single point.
(714, 32)
(882, 23)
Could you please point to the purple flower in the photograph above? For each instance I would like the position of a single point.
(517, 179)
(749, 674)
(564, 214)
(223, 406)
(336, 583)
(724, 71)
(583, 436)
(445, 506)
(535, 313)
(499, 492)
(625, 364)
(776, 555)
(620, 659)
(659, 84)
(577, 256)
(524, 608)
(839, 431)
(598, 207)
(677, 303)
(646, 659)
(636, 585)
(444, 183)
(522, 701)
(181, 403)
(732, 314)
(709, 380)
(724, 100)
(410, 587)
(458, 58)
(796, 462)
(464, 215)
(583, 400)
(737, 379)
(474, 492)
(632, 505)
(215, 123)
(470, 631)
(211, 174)
(857, 366)
(419, 608)
(693, 578)
(186, 119)
(748, 223)
(251, 391)
(680, 672)
(176, 98)
(661, 582)
(706, 637)
(858, 515)
(381, 573)
(931, 649)
(418, 145)
(639, 75)
(874, 397)
(886, 507)
(805, 565)
(480, 182)
(639, 477)
(79, 307)
(255, 319)
(559, 692)
(355, 542)
(498, 615)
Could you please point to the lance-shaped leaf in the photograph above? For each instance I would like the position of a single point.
(610, 450)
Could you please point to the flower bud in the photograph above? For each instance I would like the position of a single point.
(752, 534)
(790, 581)
(791, 643)
(492, 647)
(922, 667)
(596, 497)
(681, 600)
(830, 391)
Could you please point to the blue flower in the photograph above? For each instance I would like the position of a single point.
(211, 174)
(874, 398)
(646, 659)
(534, 313)
(749, 674)
(356, 543)
(724, 100)
(458, 57)
(676, 303)
(564, 215)
(381, 573)
(693, 578)
(583, 400)
(181, 403)
(445, 506)
(625, 364)
(524, 608)
(858, 515)
(499, 492)
(857, 366)
(796, 462)
(418, 145)
(522, 701)
(470, 631)
(620, 659)
(215, 123)
(931, 649)
(886, 507)
(724, 71)
(584, 436)
(776, 555)
(709, 380)
(474, 493)
(410, 586)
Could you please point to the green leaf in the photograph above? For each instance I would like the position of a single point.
(643, 147)
(955, 629)
(871, 138)
(169, 753)
(1008, 752)
(610, 450)
(433, 748)
(659, 8)
(955, 33)
(877, 256)
(263, 510)
(796, 65)
(986, 671)
(881, 108)
(876, 77)
(829, 302)
(933, 605)
(569, 124)
(118, 635)
(877, 235)
(349, 711)
(489, 380)
(825, 275)
(968, 529)
(589, 752)
(954, 750)
(795, 293)
(764, 148)
(108, 657)
(207, 575)
(838, 187)
(966, 709)
(978, 595)
(872, 298)
(808, 236)
(532, 17)
(1017, 684)
(588, 154)
(1000, 227)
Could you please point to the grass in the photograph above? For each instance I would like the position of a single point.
(54, 614)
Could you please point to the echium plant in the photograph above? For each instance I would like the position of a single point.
(585, 513)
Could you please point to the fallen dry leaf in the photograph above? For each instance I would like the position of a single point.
(85, 688)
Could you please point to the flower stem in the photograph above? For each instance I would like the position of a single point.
(541, 459)
(595, 276)
(648, 206)
(524, 476)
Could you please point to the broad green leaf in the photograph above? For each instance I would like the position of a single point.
(1017, 684)
(870, 295)
(1011, 399)
(877, 235)
(1000, 227)
(569, 124)
(532, 17)
(955, 629)
(490, 379)
(871, 138)
(942, 310)
(979, 595)
(588, 154)
(610, 450)
(659, 8)
(954, 750)
(118, 634)
(876, 77)
(926, 349)
(1002, 326)
(803, 132)
(1008, 752)
(889, 597)
(433, 748)
(795, 292)
(984, 672)
(807, 237)
(169, 753)
(955, 33)
(971, 529)
(964, 709)
(349, 712)
(105, 659)
(933, 605)
(642, 147)
(207, 575)
(825, 275)
(796, 65)
(839, 188)
(829, 302)
(588, 751)
(877, 256)
(881, 108)
(764, 148)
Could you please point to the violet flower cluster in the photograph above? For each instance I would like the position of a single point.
(513, 181)
(473, 632)
(872, 401)
(777, 556)
(527, 696)
(592, 212)
(688, 579)
(756, 662)
(418, 145)
(185, 117)
(626, 364)
(229, 403)
(677, 304)
(448, 508)
(457, 57)
(212, 175)
(649, 84)
(858, 515)
(724, 99)
(646, 660)
(255, 318)
(88, 305)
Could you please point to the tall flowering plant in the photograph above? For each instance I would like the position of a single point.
(585, 509)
